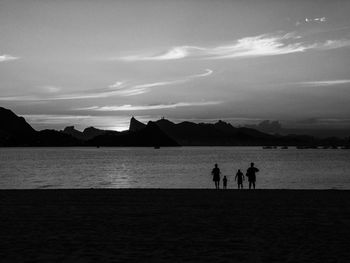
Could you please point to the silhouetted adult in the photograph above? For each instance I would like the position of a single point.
(239, 178)
(251, 174)
(216, 176)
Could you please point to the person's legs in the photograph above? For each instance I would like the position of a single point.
(254, 185)
(250, 185)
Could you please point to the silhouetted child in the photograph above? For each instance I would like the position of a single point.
(239, 178)
(224, 181)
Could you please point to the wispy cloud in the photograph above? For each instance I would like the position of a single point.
(257, 46)
(5, 57)
(324, 83)
(118, 88)
(136, 89)
(118, 84)
(128, 107)
(263, 45)
(333, 44)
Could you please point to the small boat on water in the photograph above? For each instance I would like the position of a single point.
(267, 147)
(307, 147)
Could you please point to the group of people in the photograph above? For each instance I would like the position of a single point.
(239, 178)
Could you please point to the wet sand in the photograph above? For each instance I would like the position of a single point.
(174, 226)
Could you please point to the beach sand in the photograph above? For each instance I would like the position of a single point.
(174, 226)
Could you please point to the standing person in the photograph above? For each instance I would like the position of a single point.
(216, 176)
(251, 175)
(224, 181)
(239, 178)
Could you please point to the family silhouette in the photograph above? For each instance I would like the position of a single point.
(239, 178)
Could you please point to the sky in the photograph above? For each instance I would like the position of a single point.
(97, 63)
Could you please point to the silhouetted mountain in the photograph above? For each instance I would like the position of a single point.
(73, 132)
(87, 134)
(56, 138)
(136, 125)
(150, 136)
(220, 133)
(275, 127)
(92, 132)
(15, 131)
(267, 126)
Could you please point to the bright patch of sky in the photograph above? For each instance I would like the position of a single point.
(104, 61)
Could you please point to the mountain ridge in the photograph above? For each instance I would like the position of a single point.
(15, 131)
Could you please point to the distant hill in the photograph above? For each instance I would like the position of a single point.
(15, 131)
(56, 139)
(136, 125)
(88, 134)
(224, 134)
(275, 127)
(151, 135)
(220, 133)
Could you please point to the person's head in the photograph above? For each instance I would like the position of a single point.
(224, 176)
(239, 170)
(251, 164)
(216, 165)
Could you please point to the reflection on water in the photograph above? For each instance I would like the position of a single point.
(185, 167)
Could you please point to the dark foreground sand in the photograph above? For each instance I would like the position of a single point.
(174, 226)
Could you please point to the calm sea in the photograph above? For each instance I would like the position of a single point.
(183, 167)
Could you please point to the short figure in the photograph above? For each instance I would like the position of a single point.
(251, 174)
(216, 176)
(239, 178)
(224, 181)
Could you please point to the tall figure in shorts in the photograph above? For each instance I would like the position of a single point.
(251, 174)
(216, 176)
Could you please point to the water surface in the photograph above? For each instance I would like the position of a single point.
(180, 167)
